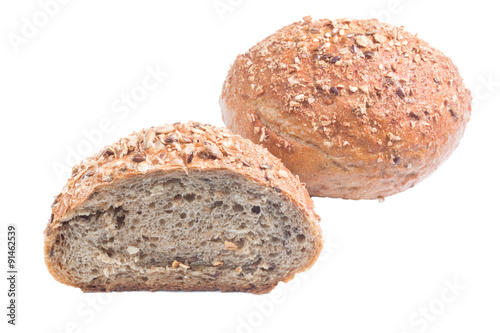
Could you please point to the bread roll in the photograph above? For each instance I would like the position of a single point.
(357, 108)
(181, 207)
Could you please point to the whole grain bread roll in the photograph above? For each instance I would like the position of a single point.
(181, 207)
(357, 108)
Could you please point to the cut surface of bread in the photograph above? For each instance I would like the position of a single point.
(189, 227)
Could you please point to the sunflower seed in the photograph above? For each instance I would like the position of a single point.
(230, 246)
(189, 158)
(335, 59)
(400, 92)
(138, 158)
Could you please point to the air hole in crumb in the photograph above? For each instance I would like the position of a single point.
(120, 222)
(190, 197)
(256, 209)
(191, 223)
(139, 212)
(152, 205)
(237, 208)
(183, 216)
(301, 238)
(217, 204)
(169, 211)
(110, 253)
(178, 197)
(275, 239)
(162, 222)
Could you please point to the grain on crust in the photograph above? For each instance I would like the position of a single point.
(174, 154)
(357, 108)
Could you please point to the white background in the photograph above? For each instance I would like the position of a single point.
(383, 262)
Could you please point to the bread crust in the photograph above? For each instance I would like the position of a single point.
(357, 108)
(171, 148)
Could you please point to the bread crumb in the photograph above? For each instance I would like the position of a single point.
(218, 263)
(238, 269)
(393, 137)
(184, 265)
(175, 264)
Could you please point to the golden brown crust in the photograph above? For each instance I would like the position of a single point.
(168, 148)
(357, 108)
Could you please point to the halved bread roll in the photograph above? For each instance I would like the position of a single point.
(181, 207)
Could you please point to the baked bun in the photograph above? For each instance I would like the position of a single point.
(357, 108)
(181, 207)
